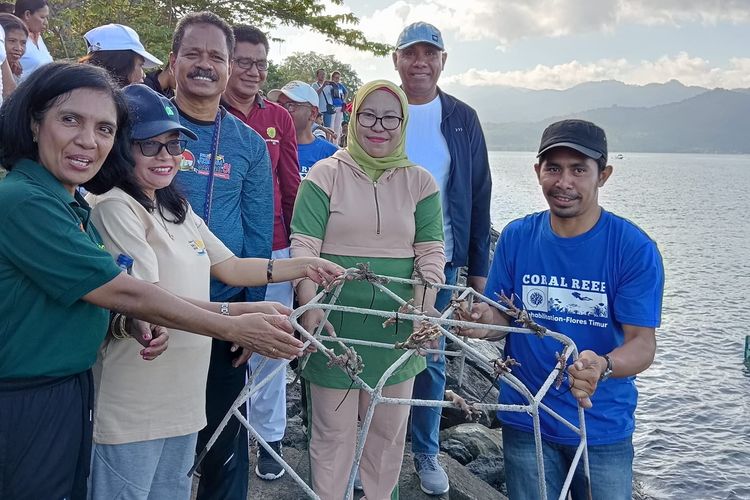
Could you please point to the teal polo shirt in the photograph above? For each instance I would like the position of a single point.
(50, 257)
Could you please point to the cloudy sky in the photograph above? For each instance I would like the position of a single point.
(557, 44)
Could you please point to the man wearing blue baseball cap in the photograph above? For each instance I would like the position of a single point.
(597, 278)
(445, 137)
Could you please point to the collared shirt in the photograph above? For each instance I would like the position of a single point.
(275, 126)
(35, 57)
(50, 257)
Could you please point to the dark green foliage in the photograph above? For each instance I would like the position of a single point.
(155, 20)
(302, 66)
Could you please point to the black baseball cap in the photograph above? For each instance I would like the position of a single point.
(585, 137)
(152, 114)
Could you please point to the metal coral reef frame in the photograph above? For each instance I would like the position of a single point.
(351, 364)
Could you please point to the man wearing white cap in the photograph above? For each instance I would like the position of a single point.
(118, 49)
(445, 137)
(301, 100)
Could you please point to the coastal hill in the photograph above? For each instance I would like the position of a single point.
(715, 121)
(657, 118)
(502, 104)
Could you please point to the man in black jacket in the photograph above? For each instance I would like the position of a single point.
(445, 137)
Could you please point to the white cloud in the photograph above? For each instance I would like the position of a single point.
(682, 67)
(509, 20)
(685, 11)
(502, 22)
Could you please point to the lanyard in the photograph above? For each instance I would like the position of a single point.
(210, 183)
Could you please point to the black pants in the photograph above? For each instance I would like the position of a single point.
(45, 437)
(224, 470)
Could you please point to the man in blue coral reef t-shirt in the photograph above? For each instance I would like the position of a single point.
(596, 278)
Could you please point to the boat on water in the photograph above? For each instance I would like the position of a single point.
(619, 156)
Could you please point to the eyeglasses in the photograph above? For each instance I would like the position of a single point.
(291, 106)
(247, 63)
(152, 148)
(388, 122)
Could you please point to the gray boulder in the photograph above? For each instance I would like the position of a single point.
(471, 441)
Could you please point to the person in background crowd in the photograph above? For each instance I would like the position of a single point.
(301, 101)
(320, 130)
(35, 14)
(226, 174)
(613, 273)
(325, 100)
(16, 35)
(141, 214)
(445, 136)
(344, 133)
(161, 80)
(367, 203)
(118, 49)
(338, 92)
(64, 125)
(6, 8)
(6, 77)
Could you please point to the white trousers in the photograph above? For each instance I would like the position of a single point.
(338, 117)
(267, 407)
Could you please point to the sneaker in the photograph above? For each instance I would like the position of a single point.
(358, 482)
(432, 478)
(268, 468)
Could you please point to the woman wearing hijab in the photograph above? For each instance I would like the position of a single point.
(366, 204)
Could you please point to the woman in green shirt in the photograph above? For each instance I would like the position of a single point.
(61, 126)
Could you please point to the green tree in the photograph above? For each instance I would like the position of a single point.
(303, 65)
(155, 20)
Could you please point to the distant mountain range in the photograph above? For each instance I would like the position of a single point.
(669, 117)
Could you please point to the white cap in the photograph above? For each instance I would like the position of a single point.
(297, 91)
(119, 37)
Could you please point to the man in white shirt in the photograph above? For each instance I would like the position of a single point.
(445, 137)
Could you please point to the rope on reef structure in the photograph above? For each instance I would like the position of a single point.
(426, 331)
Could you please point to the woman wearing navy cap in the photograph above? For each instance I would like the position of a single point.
(147, 418)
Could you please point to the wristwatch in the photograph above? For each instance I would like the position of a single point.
(608, 371)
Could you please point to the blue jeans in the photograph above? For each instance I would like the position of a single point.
(144, 470)
(610, 466)
(327, 120)
(430, 384)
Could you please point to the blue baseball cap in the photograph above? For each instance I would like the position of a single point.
(420, 33)
(152, 114)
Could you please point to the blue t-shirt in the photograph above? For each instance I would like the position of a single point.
(585, 287)
(310, 154)
(242, 204)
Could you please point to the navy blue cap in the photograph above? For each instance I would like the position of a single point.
(420, 33)
(585, 137)
(152, 114)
